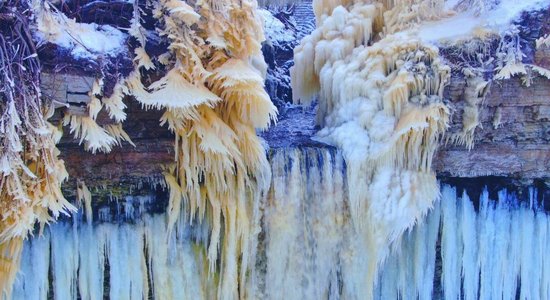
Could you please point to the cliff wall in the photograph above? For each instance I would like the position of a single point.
(512, 140)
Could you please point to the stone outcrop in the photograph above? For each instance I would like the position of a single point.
(519, 145)
(519, 148)
(513, 140)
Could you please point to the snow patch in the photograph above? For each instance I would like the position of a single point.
(83, 40)
(465, 22)
(275, 31)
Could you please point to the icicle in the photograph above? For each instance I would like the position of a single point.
(304, 225)
(84, 197)
(470, 266)
(215, 100)
(64, 264)
(91, 263)
(32, 281)
(451, 245)
(527, 261)
(310, 249)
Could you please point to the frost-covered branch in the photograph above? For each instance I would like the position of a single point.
(30, 172)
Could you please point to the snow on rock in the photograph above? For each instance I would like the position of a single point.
(284, 27)
(83, 40)
(468, 19)
(275, 31)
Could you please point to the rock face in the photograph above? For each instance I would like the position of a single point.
(513, 140)
(517, 147)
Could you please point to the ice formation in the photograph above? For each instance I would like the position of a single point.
(30, 171)
(381, 101)
(97, 137)
(214, 99)
(309, 251)
(138, 259)
(474, 92)
(379, 81)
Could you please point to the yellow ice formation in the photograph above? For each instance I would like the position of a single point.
(31, 175)
(30, 190)
(53, 26)
(380, 99)
(30, 171)
(214, 99)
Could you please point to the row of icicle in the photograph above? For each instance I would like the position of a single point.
(493, 250)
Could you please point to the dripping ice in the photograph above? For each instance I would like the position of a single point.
(309, 250)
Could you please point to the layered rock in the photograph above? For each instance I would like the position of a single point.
(512, 140)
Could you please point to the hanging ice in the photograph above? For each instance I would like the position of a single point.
(308, 249)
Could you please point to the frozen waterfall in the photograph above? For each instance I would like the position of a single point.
(465, 249)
